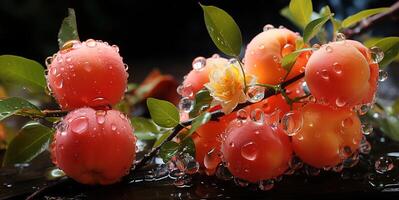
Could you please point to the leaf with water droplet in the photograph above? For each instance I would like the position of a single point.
(23, 72)
(199, 121)
(313, 27)
(168, 150)
(202, 99)
(390, 47)
(144, 129)
(68, 30)
(32, 140)
(353, 19)
(301, 11)
(223, 30)
(187, 146)
(17, 106)
(289, 60)
(164, 113)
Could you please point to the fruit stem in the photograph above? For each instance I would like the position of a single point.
(243, 74)
(54, 113)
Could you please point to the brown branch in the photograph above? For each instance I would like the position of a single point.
(366, 24)
(54, 113)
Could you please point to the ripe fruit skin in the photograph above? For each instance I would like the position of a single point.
(340, 74)
(324, 134)
(94, 147)
(265, 51)
(90, 73)
(195, 80)
(255, 152)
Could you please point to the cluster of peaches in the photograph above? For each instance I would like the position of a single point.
(274, 136)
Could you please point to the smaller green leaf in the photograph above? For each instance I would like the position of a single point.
(168, 150)
(314, 27)
(390, 127)
(395, 107)
(198, 121)
(68, 30)
(353, 19)
(202, 100)
(337, 24)
(390, 47)
(223, 30)
(289, 60)
(301, 11)
(164, 113)
(17, 106)
(285, 12)
(144, 129)
(162, 138)
(15, 70)
(32, 140)
(325, 11)
(299, 43)
(187, 146)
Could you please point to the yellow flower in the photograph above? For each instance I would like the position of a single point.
(226, 85)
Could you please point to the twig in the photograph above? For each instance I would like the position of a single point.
(369, 22)
(54, 113)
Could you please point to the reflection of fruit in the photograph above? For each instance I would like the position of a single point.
(327, 136)
(90, 73)
(265, 51)
(341, 74)
(196, 79)
(255, 152)
(94, 147)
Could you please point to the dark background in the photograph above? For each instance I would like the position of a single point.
(150, 34)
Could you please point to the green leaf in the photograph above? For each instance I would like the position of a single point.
(202, 100)
(68, 30)
(15, 70)
(325, 11)
(313, 28)
(188, 146)
(162, 138)
(299, 43)
(144, 129)
(395, 107)
(390, 47)
(223, 30)
(32, 140)
(17, 106)
(168, 150)
(353, 19)
(164, 113)
(289, 60)
(198, 121)
(301, 11)
(390, 127)
(285, 12)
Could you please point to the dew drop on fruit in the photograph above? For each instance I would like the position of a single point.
(242, 115)
(376, 54)
(340, 37)
(345, 152)
(316, 46)
(113, 127)
(116, 48)
(337, 68)
(305, 88)
(324, 74)
(48, 61)
(100, 116)
(383, 165)
(276, 59)
(59, 83)
(347, 122)
(364, 146)
(249, 151)
(212, 159)
(266, 185)
(255, 93)
(382, 75)
(185, 90)
(292, 122)
(268, 27)
(363, 109)
(258, 116)
(339, 102)
(367, 128)
(199, 63)
(261, 46)
(186, 104)
(215, 55)
(79, 125)
(91, 43)
(329, 49)
(295, 163)
(287, 49)
(273, 118)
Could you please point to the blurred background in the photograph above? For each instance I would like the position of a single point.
(151, 34)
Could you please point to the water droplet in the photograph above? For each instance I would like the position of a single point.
(59, 83)
(305, 88)
(100, 115)
(266, 185)
(276, 59)
(295, 163)
(340, 102)
(376, 54)
(211, 159)
(199, 63)
(185, 90)
(329, 49)
(113, 127)
(7, 185)
(261, 46)
(69, 44)
(337, 68)
(363, 109)
(348, 122)
(345, 152)
(287, 49)
(382, 75)
(383, 165)
(255, 93)
(316, 46)
(126, 66)
(242, 115)
(48, 61)
(215, 55)
(249, 151)
(116, 48)
(258, 116)
(281, 27)
(268, 27)
(324, 74)
(364, 146)
(100, 101)
(340, 37)
(91, 43)
(367, 128)
(292, 122)
(79, 124)
(223, 173)
(186, 104)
